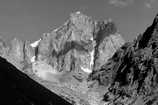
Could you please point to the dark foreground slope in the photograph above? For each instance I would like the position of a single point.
(132, 72)
(18, 89)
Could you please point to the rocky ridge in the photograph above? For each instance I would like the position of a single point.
(131, 74)
(68, 55)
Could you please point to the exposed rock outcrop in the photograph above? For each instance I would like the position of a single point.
(15, 54)
(131, 75)
(80, 38)
(3, 48)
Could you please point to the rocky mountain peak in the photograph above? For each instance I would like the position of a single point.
(156, 19)
(150, 37)
(69, 53)
(82, 22)
(81, 43)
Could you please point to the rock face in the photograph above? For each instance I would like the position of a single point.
(131, 75)
(3, 48)
(19, 53)
(69, 54)
(80, 38)
(15, 54)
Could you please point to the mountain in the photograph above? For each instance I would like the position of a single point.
(87, 62)
(64, 59)
(80, 36)
(131, 74)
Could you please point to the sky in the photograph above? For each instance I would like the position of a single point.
(29, 19)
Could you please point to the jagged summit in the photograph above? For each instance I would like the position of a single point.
(156, 19)
(69, 54)
(150, 36)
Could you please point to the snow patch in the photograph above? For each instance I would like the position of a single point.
(92, 58)
(35, 44)
(33, 59)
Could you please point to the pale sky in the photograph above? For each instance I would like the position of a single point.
(29, 19)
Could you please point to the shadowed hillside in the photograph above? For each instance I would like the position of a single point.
(18, 89)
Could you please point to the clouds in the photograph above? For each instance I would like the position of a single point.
(121, 3)
(124, 3)
(149, 3)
